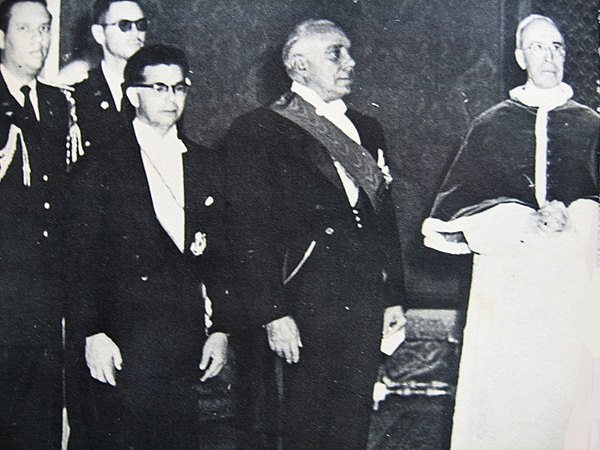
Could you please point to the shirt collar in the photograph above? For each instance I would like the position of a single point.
(151, 141)
(14, 84)
(114, 81)
(336, 107)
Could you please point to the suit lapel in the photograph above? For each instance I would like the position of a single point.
(101, 90)
(188, 189)
(45, 105)
(9, 103)
(315, 153)
(358, 162)
(139, 187)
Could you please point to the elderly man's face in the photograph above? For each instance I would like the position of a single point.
(329, 67)
(27, 40)
(542, 54)
(119, 43)
(160, 100)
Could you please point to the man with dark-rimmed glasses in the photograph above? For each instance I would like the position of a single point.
(153, 297)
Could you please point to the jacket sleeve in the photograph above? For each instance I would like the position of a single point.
(252, 194)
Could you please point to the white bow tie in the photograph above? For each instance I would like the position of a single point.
(334, 108)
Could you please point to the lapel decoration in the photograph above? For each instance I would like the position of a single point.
(199, 245)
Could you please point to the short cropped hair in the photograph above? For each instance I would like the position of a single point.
(305, 29)
(101, 7)
(6, 10)
(153, 55)
(525, 22)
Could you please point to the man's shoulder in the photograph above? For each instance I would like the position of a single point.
(54, 92)
(262, 124)
(194, 148)
(260, 116)
(360, 118)
(94, 85)
(95, 77)
(579, 109)
(502, 114)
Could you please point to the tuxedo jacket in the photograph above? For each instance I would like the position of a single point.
(137, 287)
(98, 117)
(32, 242)
(297, 243)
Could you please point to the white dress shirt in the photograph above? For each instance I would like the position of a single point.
(163, 163)
(114, 82)
(14, 87)
(335, 112)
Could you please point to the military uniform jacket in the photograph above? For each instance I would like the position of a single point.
(98, 117)
(33, 247)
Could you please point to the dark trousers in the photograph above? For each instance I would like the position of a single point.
(323, 402)
(143, 415)
(324, 405)
(31, 397)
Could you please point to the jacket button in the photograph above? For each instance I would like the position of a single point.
(329, 231)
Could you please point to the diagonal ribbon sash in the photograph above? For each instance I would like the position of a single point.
(357, 161)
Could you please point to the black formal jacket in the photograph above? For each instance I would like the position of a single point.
(136, 286)
(32, 242)
(98, 117)
(284, 193)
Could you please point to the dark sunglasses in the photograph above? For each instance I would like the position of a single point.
(126, 25)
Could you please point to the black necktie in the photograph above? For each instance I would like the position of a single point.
(28, 106)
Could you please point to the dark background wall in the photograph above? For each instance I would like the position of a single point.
(425, 69)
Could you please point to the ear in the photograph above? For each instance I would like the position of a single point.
(299, 63)
(1, 40)
(520, 57)
(98, 34)
(133, 96)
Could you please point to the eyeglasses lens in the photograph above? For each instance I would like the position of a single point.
(126, 25)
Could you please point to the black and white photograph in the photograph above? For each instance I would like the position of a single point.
(299, 224)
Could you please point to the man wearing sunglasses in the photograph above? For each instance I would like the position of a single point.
(119, 27)
(153, 273)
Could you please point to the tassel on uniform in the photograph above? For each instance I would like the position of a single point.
(74, 141)
(15, 137)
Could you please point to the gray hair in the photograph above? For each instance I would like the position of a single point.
(305, 29)
(525, 22)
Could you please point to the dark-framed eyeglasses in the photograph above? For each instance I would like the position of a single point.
(556, 48)
(180, 88)
(126, 25)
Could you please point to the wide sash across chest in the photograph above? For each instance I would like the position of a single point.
(355, 159)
